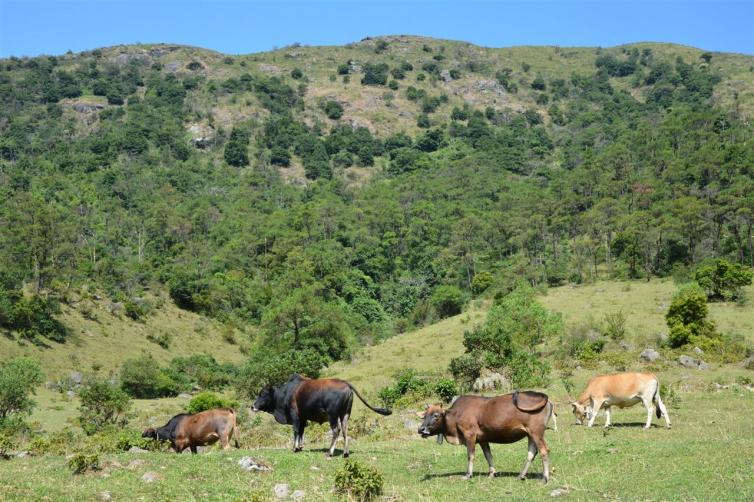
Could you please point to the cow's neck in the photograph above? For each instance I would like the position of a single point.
(448, 430)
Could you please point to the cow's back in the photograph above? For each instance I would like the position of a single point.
(319, 399)
(496, 419)
(622, 385)
(207, 426)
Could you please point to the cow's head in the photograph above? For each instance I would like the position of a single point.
(580, 411)
(266, 400)
(433, 419)
(149, 433)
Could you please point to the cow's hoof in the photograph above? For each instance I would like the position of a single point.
(545, 481)
(491, 475)
(521, 478)
(345, 455)
(466, 477)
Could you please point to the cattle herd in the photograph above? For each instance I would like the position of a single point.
(469, 421)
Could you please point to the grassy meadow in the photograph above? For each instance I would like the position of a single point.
(707, 455)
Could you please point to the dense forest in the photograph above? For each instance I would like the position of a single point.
(625, 165)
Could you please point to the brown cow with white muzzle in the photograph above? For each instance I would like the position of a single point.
(198, 429)
(484, 420)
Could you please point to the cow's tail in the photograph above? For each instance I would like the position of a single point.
(553, 416)
(656, 400)
(381, 411)
(233, 433)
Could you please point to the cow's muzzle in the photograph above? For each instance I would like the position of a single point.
(424, 432)
(254, 409)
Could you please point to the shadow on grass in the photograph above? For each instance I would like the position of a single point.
(499, 474)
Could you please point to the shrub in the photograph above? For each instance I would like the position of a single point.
(144, 379)
(615, 325)
(297, 74)
(446, 389)
(344, 68)
(687, 316)
(32, 316)
(448, 301)
(269, 367)
(507, 342)
(375, 74)
(481, 282)
(333, 109)
(208, 401)
(19, 378)
(81, 463)
(204, 371)
(7, 445)
(102, 404)
(723, 280)
(358, 481)
(279, 156)
(393, 84)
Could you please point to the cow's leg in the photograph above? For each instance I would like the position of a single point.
(298, 433)
(529, 457)
(335, 430)
(650, 410)
(663, 410)
(544, 452)
(488, 456)
(344, 426)
(596, 407)
(607, 416)
(470, 450)
(193, 449)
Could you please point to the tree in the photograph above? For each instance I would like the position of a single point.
(19, 378)
(102, 404)
(143, 378)
(723, 280)
(236, 150)
(448, 301)
(508, 341)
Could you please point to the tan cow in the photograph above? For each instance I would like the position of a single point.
(621, 390)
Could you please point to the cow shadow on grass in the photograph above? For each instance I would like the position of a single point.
(625, 425)
(498, 474)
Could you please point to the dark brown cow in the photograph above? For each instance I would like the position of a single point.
(302, 399)
(484, 420)
(200, 429)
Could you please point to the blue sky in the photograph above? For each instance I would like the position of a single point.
(32, 27)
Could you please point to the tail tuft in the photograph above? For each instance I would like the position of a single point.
(383, 411)
(657, 411)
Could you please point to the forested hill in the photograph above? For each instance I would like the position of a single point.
(332, 195)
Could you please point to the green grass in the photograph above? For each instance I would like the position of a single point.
(706, 456)
(107, 340)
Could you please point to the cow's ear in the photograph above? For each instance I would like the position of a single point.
(573, 405)
(426, 406)
(420, 414)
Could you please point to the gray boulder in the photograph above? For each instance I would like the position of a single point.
(691, 363)
(253, 464)
(490, 381)
(75, 377)
(151, 477)
(649, 355)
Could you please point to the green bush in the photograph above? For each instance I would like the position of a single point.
(203, 370)
(103, 404)
(448, 301)
(507, 342)
(333, 109)
(723, 280)
(297, 74)
(687, 316)
(269, 367)
(481, 282)
(445, 389)
(208, 401)
(7, 445)
(615, 325)
(375, 74)
(19, 378)
(31, 316)
(358, 481)
(80, 463)
(143, 378)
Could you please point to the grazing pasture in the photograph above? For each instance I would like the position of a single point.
(706, 456)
